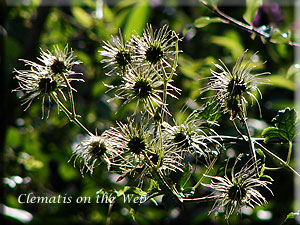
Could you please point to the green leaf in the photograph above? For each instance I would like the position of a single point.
(231, 41)
(292, 219)
(212, 3)
(280, 38)
(285, 124)
(204, 21)
(251, 9)
(282, 82)
(137, 18)
(82, 17)
(210, 113)
(293, 71)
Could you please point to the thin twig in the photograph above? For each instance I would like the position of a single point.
(241, 25)
(278, 159)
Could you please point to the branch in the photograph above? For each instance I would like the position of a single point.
(241, 25)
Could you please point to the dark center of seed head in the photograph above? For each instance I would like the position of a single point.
(154, 54)
(46, 85)
(98, 149)
(136, 145)
(154, 159)
(236, 87)
(58, 67)
(181, 139)
(236, 192)
(142, 89)
(123, 58)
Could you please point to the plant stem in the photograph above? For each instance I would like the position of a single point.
(278, 159)
(162, 178)
(289, 153)
(70, 115)
(251, 143)
(69, 88)
(237, 129)
(199, 200)
(241, 25)
(206, 172)
(232, 139)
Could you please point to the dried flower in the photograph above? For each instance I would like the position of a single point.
(141, 151)
(59, 62)
(233, 87)
(189, 136)
(241, 189)
(141, 85)
(41, 81)
(118, 55)
(166, 157)
(92, 151)
(156, 47)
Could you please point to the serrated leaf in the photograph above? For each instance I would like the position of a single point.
(285, 126)
(251, 10)
(280, 38)
(204, 21)
(260, 153)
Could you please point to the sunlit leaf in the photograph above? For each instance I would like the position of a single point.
(285, 126)
(231, 41)
(204, 21)
(292, 219)
(251, 10)
(293, 71)
(137, 18)
(281, 81)
(82, 17)
(280, 38)
(209, 112)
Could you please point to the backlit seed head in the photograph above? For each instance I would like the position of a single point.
(136, 145)
(154, 159)
(46, 85)
(237, 192)
(98, 149)
(236, 87)
(123, 58)
(154, 54)
(142, 89)
(181, 139)
(58, 67)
